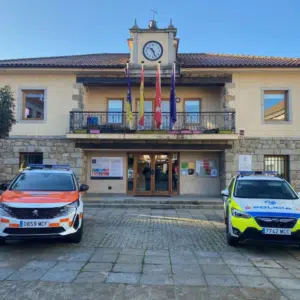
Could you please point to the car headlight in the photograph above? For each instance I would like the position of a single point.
(70, 207)
(239, 214)
(5, 211)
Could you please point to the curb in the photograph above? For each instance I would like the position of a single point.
(154, 205)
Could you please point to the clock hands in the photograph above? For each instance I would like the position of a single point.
(153, 51)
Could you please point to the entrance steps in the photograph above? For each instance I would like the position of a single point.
(175, 202)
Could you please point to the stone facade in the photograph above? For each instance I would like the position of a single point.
(55, 151)
(63, 151)
(258, 148)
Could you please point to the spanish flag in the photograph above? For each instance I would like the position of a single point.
(142, 99)
(128, 99)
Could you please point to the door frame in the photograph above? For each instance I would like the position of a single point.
(152, 191)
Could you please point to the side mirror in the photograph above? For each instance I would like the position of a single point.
(4, 186)
(225, 193)
(83, 188)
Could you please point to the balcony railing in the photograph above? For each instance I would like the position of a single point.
(116, 122)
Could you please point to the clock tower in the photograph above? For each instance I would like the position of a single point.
(152, 45)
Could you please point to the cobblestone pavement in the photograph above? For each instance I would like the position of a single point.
(149, 254)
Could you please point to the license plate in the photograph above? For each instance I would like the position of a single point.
(277, 231)
(34, 224)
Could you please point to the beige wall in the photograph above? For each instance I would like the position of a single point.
(95, 99)
(197, 185)
(101, 186)
(59, 89)
(248, 95)
(189, 185)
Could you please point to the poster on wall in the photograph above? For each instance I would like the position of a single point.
(107, 167)
(206, 168)
(184, 165)
(245, 162)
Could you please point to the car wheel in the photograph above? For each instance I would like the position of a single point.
(77, 236)
(231, 240)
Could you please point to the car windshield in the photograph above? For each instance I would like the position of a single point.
(43, 182)
(264, 189)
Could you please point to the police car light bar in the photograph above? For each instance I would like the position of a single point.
(248, 173)
(43, 166)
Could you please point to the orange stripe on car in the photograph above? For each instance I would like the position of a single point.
(38, 197)
(14, 225)
(70, 223)
(54, 225)
(81, 216)
(64, 220)
(4, 220)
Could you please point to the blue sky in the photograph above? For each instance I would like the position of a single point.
(32, 28)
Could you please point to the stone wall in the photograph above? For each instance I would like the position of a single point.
(63, 151)
(258, 147)
(55, 151)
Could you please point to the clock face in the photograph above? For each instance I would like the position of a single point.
(153, 50)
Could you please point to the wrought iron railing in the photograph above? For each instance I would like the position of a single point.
(116, 122)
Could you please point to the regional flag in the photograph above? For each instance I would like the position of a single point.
(142, 99)
(128, 98)
(157, 114)
(173, 117)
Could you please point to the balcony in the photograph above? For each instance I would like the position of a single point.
(108, 122)
(113, 122)
(101, 123)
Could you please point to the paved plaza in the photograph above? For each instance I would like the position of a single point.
(149, 254)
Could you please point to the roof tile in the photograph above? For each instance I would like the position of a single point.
(118, 60)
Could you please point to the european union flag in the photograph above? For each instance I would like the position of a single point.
(173, 117)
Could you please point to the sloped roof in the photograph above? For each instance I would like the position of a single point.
(211, 60)
(188, 60)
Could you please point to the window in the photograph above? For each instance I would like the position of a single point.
(192, 111)
(33, 106)
(277, 163)
(264, 189)
(115, 111)
(165, 112)
(44, 181)
(276, 106)
(149, 114)
(30, 158)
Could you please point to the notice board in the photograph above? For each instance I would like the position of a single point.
(107, 167)
(206, 168)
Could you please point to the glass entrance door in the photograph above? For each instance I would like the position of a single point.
(161, 173)
(153, 174)
(143, 178)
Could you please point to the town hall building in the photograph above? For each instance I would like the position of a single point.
(232, 112)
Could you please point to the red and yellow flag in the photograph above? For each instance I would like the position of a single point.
(128, 98)
(142, 100)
